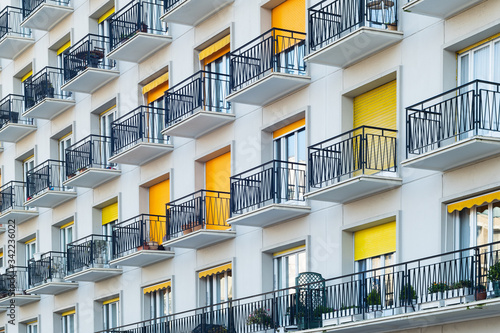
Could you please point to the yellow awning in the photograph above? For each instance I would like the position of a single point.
(67, 313)
(30, 241)
(477, 201)
(67, 224)
(113, 300)
(106, 15)
(26, 76)
(216, 270)
(64, 47)
(293, 249)
(219, 45)
(159, 286)
(155, 83)
(289, 128)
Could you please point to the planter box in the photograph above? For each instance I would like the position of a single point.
(434, 300)
(329, 319)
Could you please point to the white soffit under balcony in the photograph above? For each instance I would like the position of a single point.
(12, 46)
(456, 155)
(19, 300)
(143, 258)
(92, 177)
(355, 188)
(355, 47)
(50, 198)
(46, 16)
(141, 153)
(53, 288)
(200, 239)
(12, 132)
(200, 123)
(192, 12)
(439, 8)
(94, 274)
(269, 89)
(3, 228)
(17, 215)
(269, 215)
(139, 47)
(49, 108)
(90, 80)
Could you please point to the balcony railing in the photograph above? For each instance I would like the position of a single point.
(136, 17)
(143, 232)
(12, 196)
(93, 251)
(362, 151)
(10, 23)
(270, 183)
(89, 52)
(31, 5)
(14, 281)
(44, 84)
(204, 90)
(52, 267)
(457, 114)
(46, 176)
(143, 124)
(276, 50)
(331, 20)
(171, 4)
(11, 110)
(90, 152)
(200, 210)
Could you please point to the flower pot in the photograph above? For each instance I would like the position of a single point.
(186, 230)
(480, 295)
(392, 27)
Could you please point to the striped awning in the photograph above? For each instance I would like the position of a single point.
(159, 286)
(477, 201)
(215, 270)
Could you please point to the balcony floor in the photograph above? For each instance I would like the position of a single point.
(49, 108)
(92, 177)
(53, 288)
(456, 155)
(46, 16)
(439, 8)
(50, 199)
(269, 215)
(269, 89)
(200, 239)
(90, 80)
(355, 47)
(143, 258)
(355, 188)
(18, 215)
(13, 132)
(12, 46)
(139, 47)
(192, 12)
(19, 300)
(141, 153)
(199, 124)
(94, 274)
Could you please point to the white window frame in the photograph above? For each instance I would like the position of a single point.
(380, 271)
(280, 280)
(213, 287)
(28, 165)
(470, 54)
(473, 225)
(30, 249)
(159, 302)
(66, 236)
(106, 311)
(32, 327)
(63, 143)
(66, 323)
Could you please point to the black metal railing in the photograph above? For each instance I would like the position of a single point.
(93, 251)
(44, 84)
(144, 124)
(48, 176)
(171, 4)
(89, 52)
(12, 196)
(10, 23)
(455, 277)
(457, 114)
(135, 17)
(205, 91)
(331, 20)
(52, 267)
(362, 151)
(11, 111)
(201, 210)
(14, 281)
(270, 183)
(29, 6)
(90, 152)
(276, 50)
(143, 232)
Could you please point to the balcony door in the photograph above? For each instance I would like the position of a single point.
(215, 61)
(217, 179)
(64, 143)
(105, 120)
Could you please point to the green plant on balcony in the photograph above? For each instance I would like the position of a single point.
(319, 310)
(437, 287)
(494, 277)
(373, 298)
(407, 295)
(461, 284)
(217, 329)
(260, 317)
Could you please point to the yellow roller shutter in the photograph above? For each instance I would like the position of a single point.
(377, 107)
(106, 15)
(110, 213)
(217, 173)
(375, 241)
(290, 15)
(159, 196)
(67, 313)
(63, 48)
(289, 128)
(113, 300)
(27, 76)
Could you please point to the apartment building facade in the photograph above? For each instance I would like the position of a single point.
(249, 166)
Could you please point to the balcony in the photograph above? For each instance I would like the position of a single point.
(137, 32)
(343, 32)
(46, 276)
(191, 12)
(268, 194)
(13, 288)
(439, 8)
(87, 162)
(136, 137)
(198, 105)
(45, 185)
(353, 165)
(12, 196)
(198, 220)
(455, 128)
(13, 125)
(137, 241)
(88, 259)
(43, 97)
(14, 39)
(268, 68)
(44, 14)
(86, 67)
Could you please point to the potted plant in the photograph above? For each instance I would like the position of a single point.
(494, 277)
(480, 292)
(459, 288)
(325, 313)
(436, 290)
(260, 318)
(144, 27)
(373, 300)
(407, 295)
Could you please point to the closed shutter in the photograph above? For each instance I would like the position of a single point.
(159, 196)
(290, 15)
(375, 241)
(217, 173)
(289, 128)
(216, 50)
(377, 107)
(110, 213)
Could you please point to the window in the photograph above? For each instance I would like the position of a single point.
(68, 322)
(30, 249)
(154, 117)
(26, 79)
(28, 164)
(218, 284)
(481, 62)
(32, 327)
(110, 313)
(380, 280)
(288, 265)
(103, 23)
(109, 216)
(66, 235)
(1, 259)
(64, 143)
(61, 56)
(159, 299)
(105, 120)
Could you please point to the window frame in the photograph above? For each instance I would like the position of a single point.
(106, 311)
(279, 265)
(471, 68)
(65, 323)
